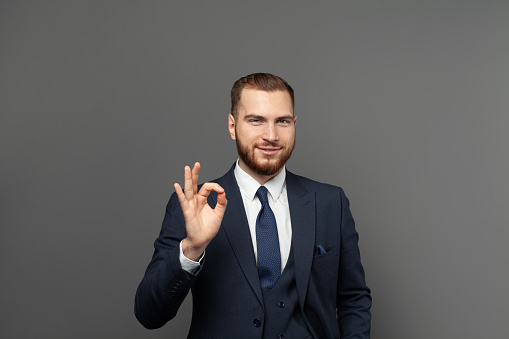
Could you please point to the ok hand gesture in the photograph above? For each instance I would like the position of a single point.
(202, 222)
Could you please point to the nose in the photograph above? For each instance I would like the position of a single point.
(271, 133)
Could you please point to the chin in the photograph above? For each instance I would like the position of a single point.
(266, 165)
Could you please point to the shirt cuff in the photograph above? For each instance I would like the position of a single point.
(188, 265)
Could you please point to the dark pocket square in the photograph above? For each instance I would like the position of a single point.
(319, 250)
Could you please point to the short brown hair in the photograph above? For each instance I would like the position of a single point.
(261, 81)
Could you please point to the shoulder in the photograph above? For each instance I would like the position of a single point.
(313, 185)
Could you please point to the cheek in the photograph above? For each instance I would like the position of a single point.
(248, 136)
(288, 135)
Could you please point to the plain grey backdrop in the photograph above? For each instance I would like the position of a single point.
(405, 104)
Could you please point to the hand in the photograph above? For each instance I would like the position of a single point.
(202, 222)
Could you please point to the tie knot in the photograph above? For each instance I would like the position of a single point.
(262, 195)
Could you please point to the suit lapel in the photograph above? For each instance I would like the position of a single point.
(236, 228)
(302, 214)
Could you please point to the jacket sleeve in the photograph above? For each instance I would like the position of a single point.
(353, 297)
(165, 284)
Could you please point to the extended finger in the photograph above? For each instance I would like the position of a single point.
(180, 196)
(195, 172)
(188, 183)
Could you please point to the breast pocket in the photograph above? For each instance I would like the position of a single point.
(319, 260)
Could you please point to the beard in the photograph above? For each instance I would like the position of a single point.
(267, 165)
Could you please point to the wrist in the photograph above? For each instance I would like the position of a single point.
(191, 251)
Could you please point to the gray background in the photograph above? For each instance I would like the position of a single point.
(403, 104)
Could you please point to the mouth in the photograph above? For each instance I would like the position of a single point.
(268, 150)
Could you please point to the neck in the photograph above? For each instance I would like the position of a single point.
(262, 179)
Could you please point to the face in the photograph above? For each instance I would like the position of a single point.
(264, 132)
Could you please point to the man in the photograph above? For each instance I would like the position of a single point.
(278, 259)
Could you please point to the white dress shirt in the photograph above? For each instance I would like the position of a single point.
(278, 202)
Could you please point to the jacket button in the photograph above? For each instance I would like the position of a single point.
(281, 336)
(281, 304)
(257, 323)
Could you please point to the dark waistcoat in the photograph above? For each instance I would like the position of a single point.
(283, 317)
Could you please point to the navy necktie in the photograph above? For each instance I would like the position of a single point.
(267, 243)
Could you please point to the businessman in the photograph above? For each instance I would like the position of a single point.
(266, 253)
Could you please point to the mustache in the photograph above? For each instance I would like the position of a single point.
(270, 144)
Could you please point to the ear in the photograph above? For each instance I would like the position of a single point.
(294, 120)
(231, 126)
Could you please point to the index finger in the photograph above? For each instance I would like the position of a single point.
(209, 187)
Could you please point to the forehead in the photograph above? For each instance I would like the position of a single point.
(260, 102)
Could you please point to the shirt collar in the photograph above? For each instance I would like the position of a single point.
(248, 185)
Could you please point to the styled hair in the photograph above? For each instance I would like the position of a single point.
(260, 81)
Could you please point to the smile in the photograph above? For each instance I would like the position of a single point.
(268, 150)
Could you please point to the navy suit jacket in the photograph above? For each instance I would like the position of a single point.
(227, 296)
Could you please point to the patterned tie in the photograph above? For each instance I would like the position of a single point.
(267, 243)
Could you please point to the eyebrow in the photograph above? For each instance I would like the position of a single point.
(260, 117)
